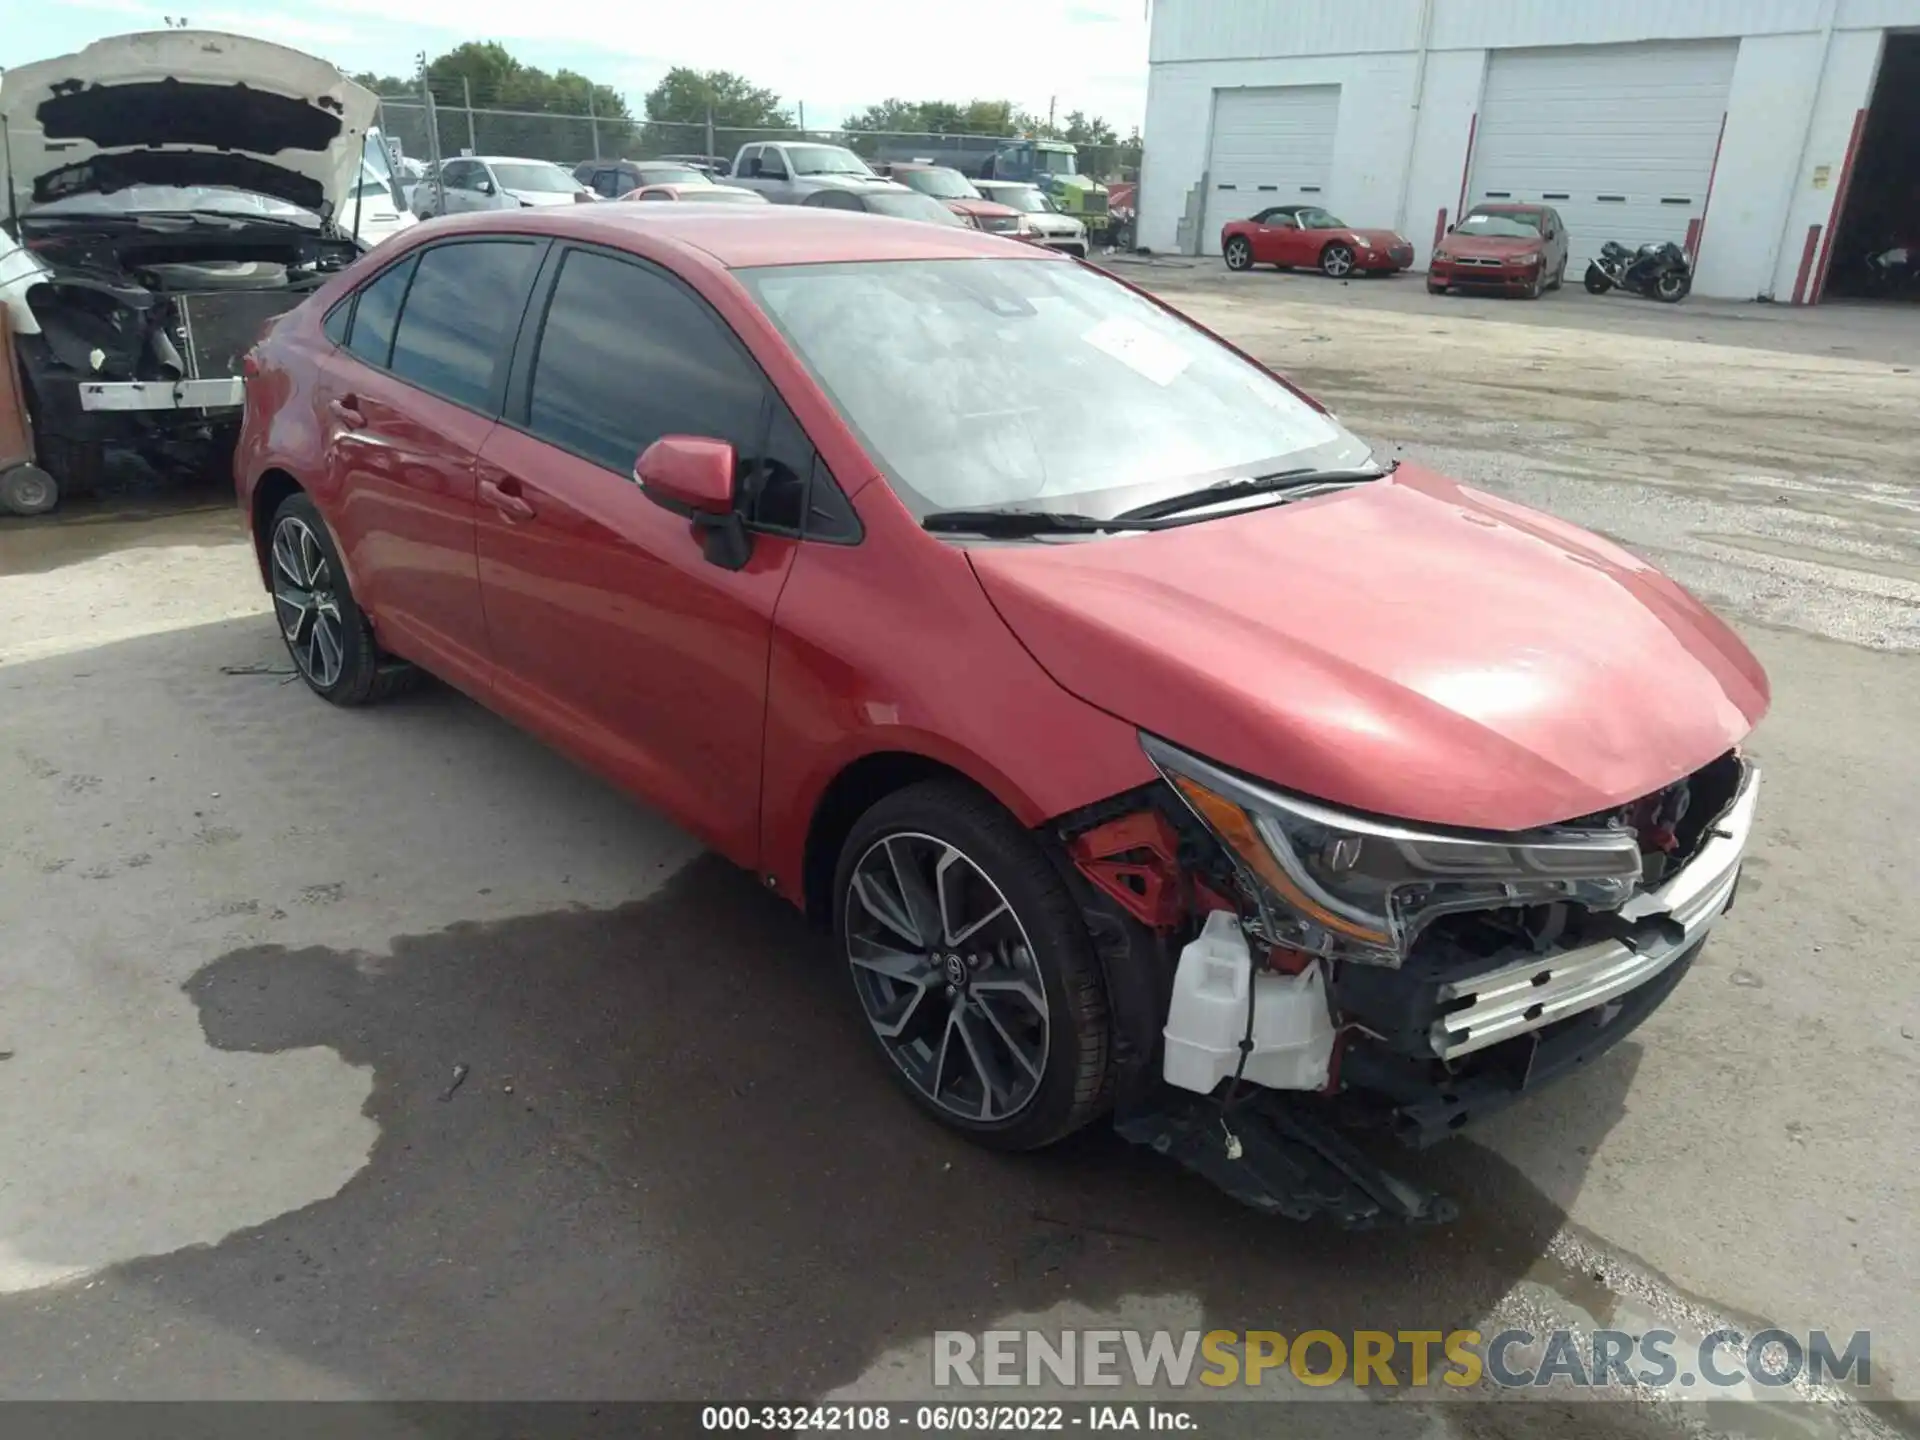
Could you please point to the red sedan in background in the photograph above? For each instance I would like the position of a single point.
(1516, 249)
(1307, 237)
(978, 604)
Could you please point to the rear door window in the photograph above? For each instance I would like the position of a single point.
(371, 335)
(461, 313)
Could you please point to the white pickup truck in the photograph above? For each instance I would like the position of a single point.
(788, 171)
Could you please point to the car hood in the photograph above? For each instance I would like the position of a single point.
(544, 197)
(853, 182)
(982, 209)
(187, 108)
(1407, 647)
(1490, 247)
(1379, 239)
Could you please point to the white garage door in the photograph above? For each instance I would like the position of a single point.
(1619, 139)
(1270, 147)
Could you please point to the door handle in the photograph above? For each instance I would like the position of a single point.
(509, 504)
(347, 411)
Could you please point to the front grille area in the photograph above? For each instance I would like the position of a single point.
(1094, 204)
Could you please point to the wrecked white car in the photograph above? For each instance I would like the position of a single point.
(168, 194)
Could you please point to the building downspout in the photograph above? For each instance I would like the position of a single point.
(1419, 95)
(1829, 12)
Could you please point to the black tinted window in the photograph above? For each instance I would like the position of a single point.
(374, 313)
(627, 356)
(338, 318)
(461, 314)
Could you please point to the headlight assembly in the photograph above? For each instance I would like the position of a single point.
(1349, 887)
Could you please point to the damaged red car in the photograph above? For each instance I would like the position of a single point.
(1153, 751)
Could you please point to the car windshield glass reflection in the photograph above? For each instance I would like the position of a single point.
(983, 383)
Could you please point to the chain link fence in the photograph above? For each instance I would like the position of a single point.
(569, 139)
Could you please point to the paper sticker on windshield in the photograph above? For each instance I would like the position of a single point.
(1139, 349)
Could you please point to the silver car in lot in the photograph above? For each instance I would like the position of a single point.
(1041, 223)
(495, 182)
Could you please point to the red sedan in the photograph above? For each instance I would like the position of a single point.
(1060, 659)
(1307, 237)
(1516, 249)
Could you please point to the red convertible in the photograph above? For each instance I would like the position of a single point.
(1306, 235)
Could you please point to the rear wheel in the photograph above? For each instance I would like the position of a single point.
(329, 639)
(1337, 260)
(1239, 253)
(1560, 275)
(972, 967)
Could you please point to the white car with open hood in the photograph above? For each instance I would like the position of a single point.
(168, 194)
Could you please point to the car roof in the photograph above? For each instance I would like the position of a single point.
(1507, 207)
(738, 236)
(507, 160)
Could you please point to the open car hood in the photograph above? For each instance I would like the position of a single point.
(1409, 647)
(187, 108)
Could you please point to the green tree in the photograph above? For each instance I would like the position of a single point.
(685, 97)
(1084, 129)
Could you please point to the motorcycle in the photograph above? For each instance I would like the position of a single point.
(1660, 270)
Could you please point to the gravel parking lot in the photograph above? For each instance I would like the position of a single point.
(384, 1053)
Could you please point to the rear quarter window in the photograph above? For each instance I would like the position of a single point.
(374, 313)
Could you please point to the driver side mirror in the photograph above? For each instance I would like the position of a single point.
(485, 187)
(1452, 228)
(693, 475)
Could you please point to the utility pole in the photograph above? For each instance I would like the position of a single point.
(1052, 100)
(709, 149)
(466, 90)
(433, 139)
(593, 121)
(803, 118)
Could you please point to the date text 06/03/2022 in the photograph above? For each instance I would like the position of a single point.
(933, 1419)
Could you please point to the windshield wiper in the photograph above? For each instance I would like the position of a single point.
(1303, 478)
(1015, 524)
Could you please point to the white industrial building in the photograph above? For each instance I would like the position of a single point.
(1781, 136)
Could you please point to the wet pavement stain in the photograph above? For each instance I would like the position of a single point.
(675, 1169)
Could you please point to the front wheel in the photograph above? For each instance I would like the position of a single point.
(972, 967)
(1597, 281)
(28, 490)
(1672, 287)
(1239, 254)
(1337, 260)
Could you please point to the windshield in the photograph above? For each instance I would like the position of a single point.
(1054, 162)
(137, 199)
(941, 183)
(825, 160)
(1514, 225)
(1312, 219)
(536, 177)
(1025, 198)
(673, 175)
(912, 206)
(984, 384)
(721, 195)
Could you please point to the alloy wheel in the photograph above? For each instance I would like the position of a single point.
(1239, 255)
(307, 602)
(1337, 261)
(947, 977)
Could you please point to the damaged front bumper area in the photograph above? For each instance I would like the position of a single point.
(1485, 1005)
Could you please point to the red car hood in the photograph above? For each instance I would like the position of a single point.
(979, 208)
(1490, 247)
(1409, 647)
(1379, 239)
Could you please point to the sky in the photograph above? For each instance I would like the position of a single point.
(832, 56)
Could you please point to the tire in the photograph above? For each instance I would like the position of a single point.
(1239, 253)
(1336, 261)
(311, 600)
(1672, 287)
(938, 1034)
(1560, 275)
(1534, 287)
(1597, 282)
(1433, 289)
(28, 490)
